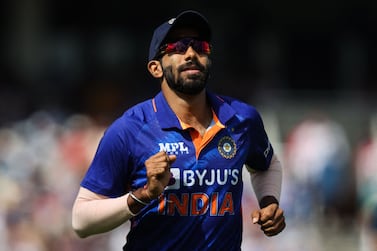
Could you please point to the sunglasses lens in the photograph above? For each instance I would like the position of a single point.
(201, 47)
(182, 45)
(170, 47)
(206, 48)
(196, 45)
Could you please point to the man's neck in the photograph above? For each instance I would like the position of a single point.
(191, 110)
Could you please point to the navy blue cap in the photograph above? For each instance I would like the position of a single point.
(188, 18)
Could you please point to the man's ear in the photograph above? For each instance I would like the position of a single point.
(155, 68)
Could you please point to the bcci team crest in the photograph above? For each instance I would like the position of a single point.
(227, 147)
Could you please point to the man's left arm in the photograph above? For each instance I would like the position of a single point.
(267, 188)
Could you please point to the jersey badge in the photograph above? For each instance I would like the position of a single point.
(227, 147)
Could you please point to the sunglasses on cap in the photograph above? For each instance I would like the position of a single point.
(181, 46)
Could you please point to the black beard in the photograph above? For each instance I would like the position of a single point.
(192, 86)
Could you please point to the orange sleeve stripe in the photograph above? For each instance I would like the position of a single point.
(154, 105)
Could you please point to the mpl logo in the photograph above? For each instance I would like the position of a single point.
(174, 148)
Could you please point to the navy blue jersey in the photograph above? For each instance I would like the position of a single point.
(202, 210)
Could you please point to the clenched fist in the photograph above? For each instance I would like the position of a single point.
(158, 173)
(270, 218)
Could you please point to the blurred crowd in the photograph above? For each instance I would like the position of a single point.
(329, 189)
(42, 160)
(366, 181)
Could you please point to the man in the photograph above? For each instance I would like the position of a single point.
(172, 165)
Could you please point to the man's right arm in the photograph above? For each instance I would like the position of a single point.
(93, 213)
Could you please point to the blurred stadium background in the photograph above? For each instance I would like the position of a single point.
(68, 68)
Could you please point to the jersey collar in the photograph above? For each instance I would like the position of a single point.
(168, 119)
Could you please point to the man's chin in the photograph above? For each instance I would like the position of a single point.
(191, 91)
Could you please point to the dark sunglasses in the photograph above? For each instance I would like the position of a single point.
(181, 46)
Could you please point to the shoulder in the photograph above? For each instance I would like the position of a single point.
(241, 107)
(132, 119)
